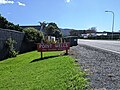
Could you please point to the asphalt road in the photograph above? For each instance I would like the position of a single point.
(109, 45)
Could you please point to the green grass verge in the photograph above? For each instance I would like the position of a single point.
(57, 73)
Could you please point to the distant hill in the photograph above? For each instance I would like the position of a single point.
(65, 32)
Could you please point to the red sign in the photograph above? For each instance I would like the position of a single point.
(53, 47)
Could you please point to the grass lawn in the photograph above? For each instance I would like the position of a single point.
(56, 73)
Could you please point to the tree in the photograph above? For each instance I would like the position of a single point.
(50, 30)
(54, 25)
(57, 34)
(33, 35)
(8, 25)
(43, 26)
(93, 29)
(53, 30)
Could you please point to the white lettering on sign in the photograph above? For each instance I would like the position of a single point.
(53, 47)
(61, 45)
(45, 46)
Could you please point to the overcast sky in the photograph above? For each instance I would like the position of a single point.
(76, 14)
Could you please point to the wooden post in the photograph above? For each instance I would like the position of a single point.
(41, 55)
(66, 52)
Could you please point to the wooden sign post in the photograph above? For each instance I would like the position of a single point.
(41, 47)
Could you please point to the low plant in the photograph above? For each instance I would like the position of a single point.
(10, 47)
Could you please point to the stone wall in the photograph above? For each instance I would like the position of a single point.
(4, 35)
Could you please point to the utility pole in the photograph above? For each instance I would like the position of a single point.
(112, 22)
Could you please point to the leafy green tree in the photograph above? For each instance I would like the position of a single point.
(50, 30)
(5, 24)
(57, 34)
(33, 35)
(54, 25)
(53, 30)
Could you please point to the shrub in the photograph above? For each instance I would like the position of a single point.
(13, 53)
(33, 35)
(10, 47)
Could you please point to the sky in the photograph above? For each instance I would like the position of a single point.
(72, 14)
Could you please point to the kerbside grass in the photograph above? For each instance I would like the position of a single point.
(28, 72)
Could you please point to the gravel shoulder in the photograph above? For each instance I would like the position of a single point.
(103, 67)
